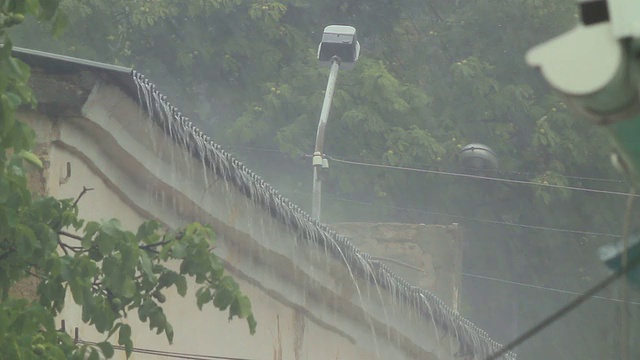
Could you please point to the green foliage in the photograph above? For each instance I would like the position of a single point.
(109, 271)
(29, 332)
(433, 76)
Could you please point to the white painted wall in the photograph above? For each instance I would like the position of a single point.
(307, 304)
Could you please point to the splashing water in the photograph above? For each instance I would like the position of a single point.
(471, 339)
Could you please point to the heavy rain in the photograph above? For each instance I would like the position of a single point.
(389, 179)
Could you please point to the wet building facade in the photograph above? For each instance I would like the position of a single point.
(314, 293)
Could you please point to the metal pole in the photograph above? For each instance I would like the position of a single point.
(322, 124)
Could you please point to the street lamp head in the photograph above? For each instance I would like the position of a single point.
(479, 158)
(339, 41)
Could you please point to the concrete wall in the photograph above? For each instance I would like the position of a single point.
(434, 251)
(308, 305)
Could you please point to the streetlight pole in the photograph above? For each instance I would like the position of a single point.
(322, 125)
(339, 46)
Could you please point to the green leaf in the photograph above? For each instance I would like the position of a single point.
(94, 355)
(77, 290)
(203, 296)
(229, 282)
(145, 309)
(147, 266)
(60, 22)
(19, 71)
(124, 338)
(168, 330)
(90, 230)
(5, 49)
(106, 243)
(7, 115)
(112, 227)
(165, 252)
(166, 279)
(181, 285)
(178, 250)
(31, 6)
(48, 9)
(251, 321)
(157, 320)
(106, 348)
(88, 309)
(223, 298)
(128, 288)
(244, 306)
(146, 230)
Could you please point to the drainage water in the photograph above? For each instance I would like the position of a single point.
(472, 341)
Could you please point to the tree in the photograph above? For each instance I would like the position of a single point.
(433, 76)
(109, 271)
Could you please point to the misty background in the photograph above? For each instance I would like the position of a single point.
(433, 76)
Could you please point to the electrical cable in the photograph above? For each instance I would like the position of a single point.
(624, 307)
(440, 172)
(169, 354)
(480, 177)
(565, 309)
(495, 222)
(548, 288)
(575, 177)
(497, 171)
(571, 305)
(409, 266)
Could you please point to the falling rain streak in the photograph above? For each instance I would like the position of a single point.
(472, 340)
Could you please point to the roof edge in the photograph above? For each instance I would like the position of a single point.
(473, 340)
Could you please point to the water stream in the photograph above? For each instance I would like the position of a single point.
(471, 340)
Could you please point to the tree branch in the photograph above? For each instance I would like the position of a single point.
(84, 191)
(35, 275)
(151, 247)
(70, 235)
(63, 246)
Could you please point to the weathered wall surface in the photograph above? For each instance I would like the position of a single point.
(308, 305)
(434, 249)
(280, 336)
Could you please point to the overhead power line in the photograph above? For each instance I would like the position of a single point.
(591, 293)
(516, 283)
(167, 354)
(496, 222)
(496, 171)
(565, 309)
(461, 217)
(480, 177)
(547, 288)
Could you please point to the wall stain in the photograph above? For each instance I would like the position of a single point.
(277, 352)
(298, 334)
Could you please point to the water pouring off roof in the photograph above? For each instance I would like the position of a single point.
(473, 343)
